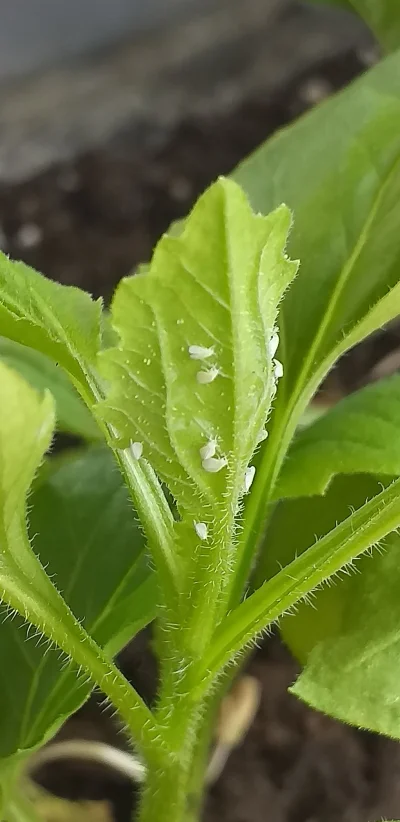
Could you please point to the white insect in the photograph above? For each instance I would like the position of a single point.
(204, 377)
(201, 529)
(264, 435)
(273, 344)
(213, 464)
(137, 450)
(278, 369)
(208, 450)
(199, 352)
(248, 478)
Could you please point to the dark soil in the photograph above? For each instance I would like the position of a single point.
(89, 222)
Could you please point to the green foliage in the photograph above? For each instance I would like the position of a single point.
(60, 321)
(352, 673)
(183, 381)
(72, 415)
(382, 16)
(217, 286)
(193, 370)
(358, 436)
(344, 194)
(337, 549)
(80, 518)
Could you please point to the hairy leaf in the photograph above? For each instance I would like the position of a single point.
(296, 524)
(72, 415)
(362, 529)
(194, 367)
(353, 673)
(216, 287)
(358, 611)
(382, 16)
(85, 534)
(60, 321)
(66, 325)
(359, 435)
(26, 422)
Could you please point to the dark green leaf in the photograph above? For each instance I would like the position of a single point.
(359, 435)
(344, 194)
(85, 534)
(338, 169)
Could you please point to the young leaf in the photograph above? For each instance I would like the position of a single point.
(60, 321)
(382, 16)
(85, 534)
(353, 674)
(194, 369)
(358, 435)
(344, 194)
(72, 415)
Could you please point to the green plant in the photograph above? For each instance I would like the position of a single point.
(242, 514)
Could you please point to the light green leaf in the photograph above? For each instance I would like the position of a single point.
(338, 169)
(359, 435)
(216, 287)
(26, 423)
(72, 415)
(84, 532)
(353, 674)
(382, 16)
(66, 325)
(60, 321)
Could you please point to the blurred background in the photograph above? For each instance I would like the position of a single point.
(114, 116)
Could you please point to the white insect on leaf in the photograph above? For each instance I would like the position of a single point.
(199, 352)
(205, 377)
(208, 450)
(278, 369)
(213, 464)
(201, 529)
(137, 450)
(264, 435)
(273, 344)
(248, 478)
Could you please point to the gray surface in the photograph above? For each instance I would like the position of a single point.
(35, 33)
(233, 50)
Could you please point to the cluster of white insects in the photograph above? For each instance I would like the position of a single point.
(208, 452)
(209, 460)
